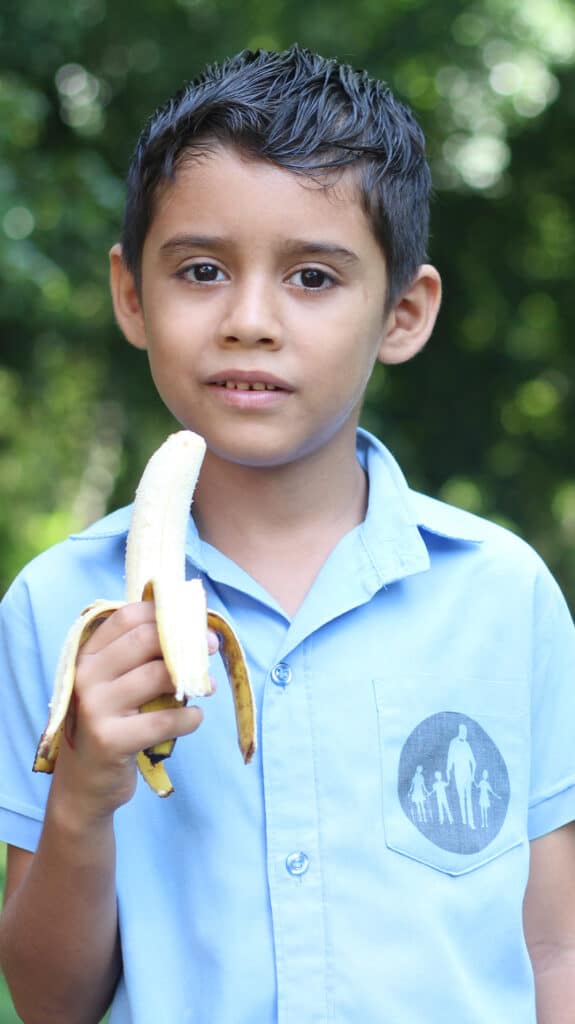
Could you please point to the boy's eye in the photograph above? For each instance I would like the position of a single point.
(203, 273)
(313, 279)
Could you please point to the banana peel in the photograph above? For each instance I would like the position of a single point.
(155, 570)
(150, 760)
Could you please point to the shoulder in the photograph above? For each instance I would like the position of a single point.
(437, 519)
(60, 581)
(499, 562)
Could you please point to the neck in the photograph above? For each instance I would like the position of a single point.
(235, 500)
(281, 523)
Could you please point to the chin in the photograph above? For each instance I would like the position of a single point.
(251, 459)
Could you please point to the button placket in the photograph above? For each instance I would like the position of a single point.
(292, 828)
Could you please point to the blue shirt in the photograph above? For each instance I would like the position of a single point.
(416, 722)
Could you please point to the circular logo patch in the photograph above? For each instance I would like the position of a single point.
(453, 783)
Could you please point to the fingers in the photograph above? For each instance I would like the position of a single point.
(120, 622)
(152, 727)
(114, 737)
(124, 641)
(130, 618)
(120, 669)
(134, 649)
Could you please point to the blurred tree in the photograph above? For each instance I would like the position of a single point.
(482, 418)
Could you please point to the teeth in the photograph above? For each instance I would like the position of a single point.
(240, 385)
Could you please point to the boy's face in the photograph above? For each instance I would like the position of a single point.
(261, 307)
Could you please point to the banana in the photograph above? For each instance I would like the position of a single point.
(155, 570)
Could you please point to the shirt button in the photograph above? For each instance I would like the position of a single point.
(297, 863)
(281, 674)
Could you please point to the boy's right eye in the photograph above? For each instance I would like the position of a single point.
(202, 273)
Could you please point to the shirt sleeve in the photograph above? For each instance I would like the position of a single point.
(552, 788)
(24, 695)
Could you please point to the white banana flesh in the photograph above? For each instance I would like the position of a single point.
(155, 569)
(155, 555)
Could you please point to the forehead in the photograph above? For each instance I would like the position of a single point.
(227, 185)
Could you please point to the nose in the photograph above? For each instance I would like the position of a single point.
(252, 314)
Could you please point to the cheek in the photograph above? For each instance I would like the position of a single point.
(168, 372)
(170, 339)
(359, 353)
(161, 378)
(348, 381)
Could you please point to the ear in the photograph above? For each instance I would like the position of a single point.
(411, 321)
(126, 300)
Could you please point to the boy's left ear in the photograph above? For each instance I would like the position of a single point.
(126, 300)
(411, 321)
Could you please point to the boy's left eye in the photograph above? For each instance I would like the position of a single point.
(312, 279)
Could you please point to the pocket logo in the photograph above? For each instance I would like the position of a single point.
(453, 783)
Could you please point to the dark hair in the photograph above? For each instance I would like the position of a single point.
(309, 115)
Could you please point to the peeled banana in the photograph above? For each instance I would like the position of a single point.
(155, 570)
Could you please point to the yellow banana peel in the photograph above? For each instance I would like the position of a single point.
(155, 570)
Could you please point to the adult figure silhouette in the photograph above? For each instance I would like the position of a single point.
(461, 762)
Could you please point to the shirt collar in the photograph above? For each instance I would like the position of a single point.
(403, 507)
(394, 532)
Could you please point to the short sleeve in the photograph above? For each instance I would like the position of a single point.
(24, 696)
(552, 787)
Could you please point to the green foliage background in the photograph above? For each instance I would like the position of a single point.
(483, 418)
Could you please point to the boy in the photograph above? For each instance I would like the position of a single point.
(273, 249)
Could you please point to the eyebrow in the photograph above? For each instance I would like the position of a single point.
(290, 247)
(311, 247)
(181, 243)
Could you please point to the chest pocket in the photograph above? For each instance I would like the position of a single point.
(455, 769)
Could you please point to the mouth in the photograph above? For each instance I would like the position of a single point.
(242, 385)
(248, 380)
(245, 391)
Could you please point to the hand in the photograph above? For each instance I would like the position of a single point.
(119, 669)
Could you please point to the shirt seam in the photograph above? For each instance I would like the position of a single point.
(20, 808)
(562, 787)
